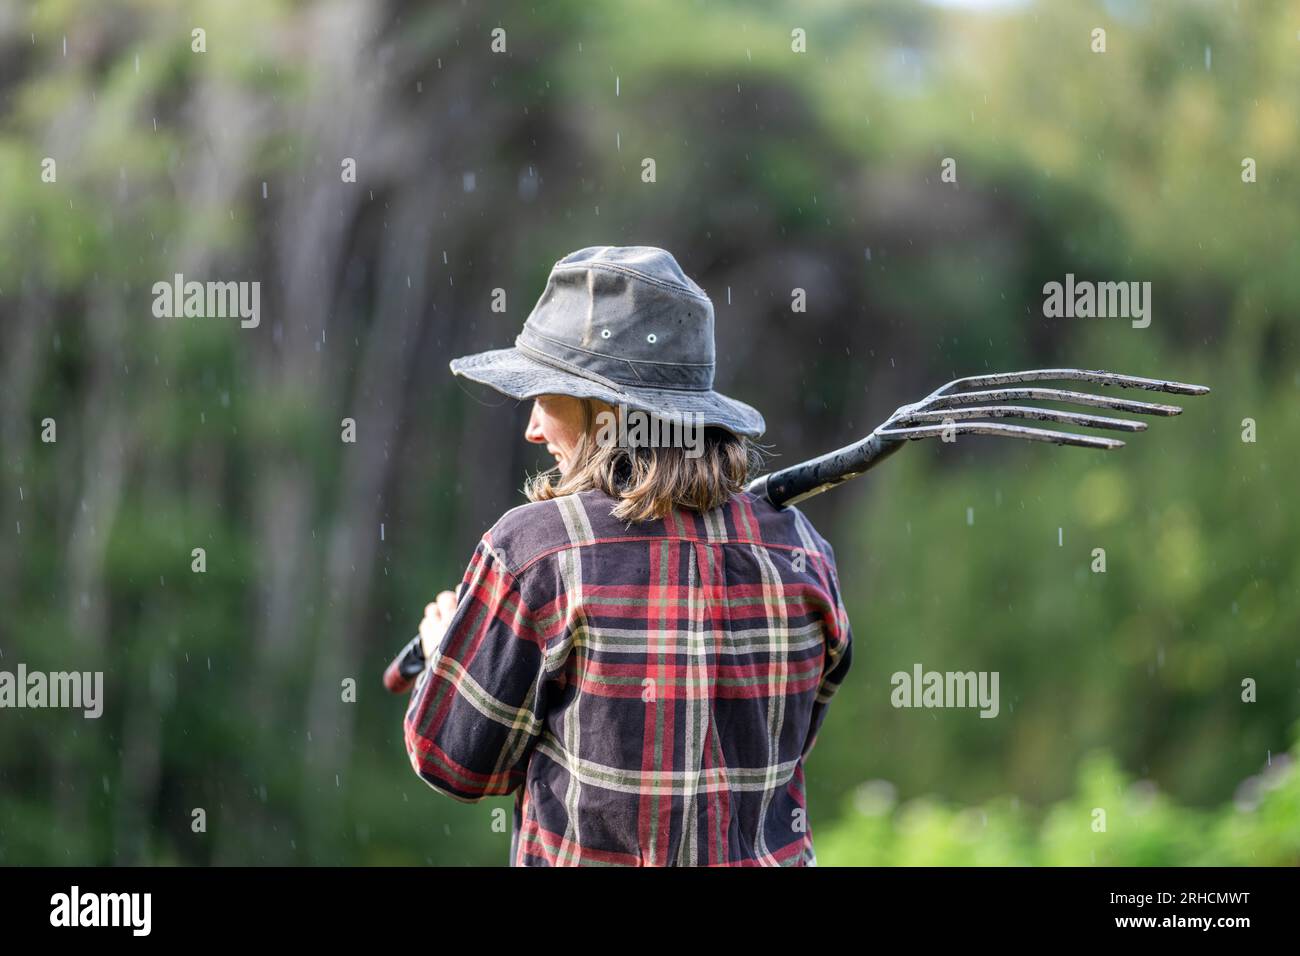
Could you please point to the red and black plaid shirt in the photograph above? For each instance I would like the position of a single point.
(649, 692)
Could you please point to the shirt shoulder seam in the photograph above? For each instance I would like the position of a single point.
(575, 545)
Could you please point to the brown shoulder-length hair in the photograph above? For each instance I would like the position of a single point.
(650, 481)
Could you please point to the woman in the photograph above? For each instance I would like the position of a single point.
(644, 653)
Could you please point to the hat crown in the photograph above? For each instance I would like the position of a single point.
(628, 313)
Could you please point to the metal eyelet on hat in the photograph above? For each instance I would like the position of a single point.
(604, 333)
(652, 338)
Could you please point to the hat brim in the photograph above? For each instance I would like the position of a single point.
(513, 373)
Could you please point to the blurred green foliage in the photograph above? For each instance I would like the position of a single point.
(1111, 820)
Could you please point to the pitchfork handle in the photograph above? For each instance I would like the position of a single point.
(405, 668)
(792, 485)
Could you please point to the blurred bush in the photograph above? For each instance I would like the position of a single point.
(1112, 820)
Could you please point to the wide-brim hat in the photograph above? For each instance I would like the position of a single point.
(625, 325)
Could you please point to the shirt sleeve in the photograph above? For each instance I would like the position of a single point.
(478, 708)
(839, 650)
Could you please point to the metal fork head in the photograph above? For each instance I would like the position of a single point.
(986, 394)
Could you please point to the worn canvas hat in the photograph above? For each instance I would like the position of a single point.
(622, 324)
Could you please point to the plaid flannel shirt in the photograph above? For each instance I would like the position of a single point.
(649, 692)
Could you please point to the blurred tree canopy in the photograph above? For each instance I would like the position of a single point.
(775, 170)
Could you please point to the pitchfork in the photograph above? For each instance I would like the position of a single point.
(957, 408)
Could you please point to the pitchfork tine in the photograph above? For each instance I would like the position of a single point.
(1008, 431)
(1075, 375)
(1025, 411)
(1048, 394)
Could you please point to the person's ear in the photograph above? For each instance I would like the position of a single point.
(600, 407)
